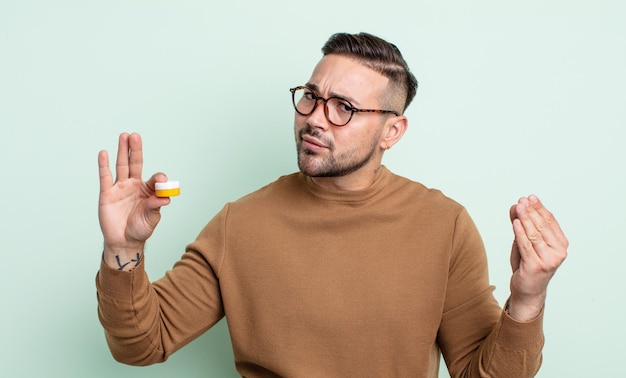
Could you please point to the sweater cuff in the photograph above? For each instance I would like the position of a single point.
(119, 285)
(521, 335)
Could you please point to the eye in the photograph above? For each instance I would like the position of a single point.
(343, 107)
(309, 96)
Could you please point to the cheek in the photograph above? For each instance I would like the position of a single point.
(355, 137)
(297, 124)
(299, 121)
(348, 143)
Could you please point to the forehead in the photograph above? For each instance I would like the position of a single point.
(337, 75)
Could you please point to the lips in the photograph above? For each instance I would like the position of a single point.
(312, 142)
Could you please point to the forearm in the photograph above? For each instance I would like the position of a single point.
(128, 311)
(146, 322)
(512, 349)
(479, 339)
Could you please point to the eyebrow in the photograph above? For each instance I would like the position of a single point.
(337, 95)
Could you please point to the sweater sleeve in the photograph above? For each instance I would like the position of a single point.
(146, 322)
(477, 338)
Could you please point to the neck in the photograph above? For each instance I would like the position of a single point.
(359, 180)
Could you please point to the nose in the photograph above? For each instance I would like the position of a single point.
(318, 117)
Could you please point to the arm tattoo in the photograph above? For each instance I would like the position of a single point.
(121, 266)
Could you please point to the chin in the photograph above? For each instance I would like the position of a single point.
(311, 164)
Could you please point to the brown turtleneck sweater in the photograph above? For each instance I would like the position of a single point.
(322, 283)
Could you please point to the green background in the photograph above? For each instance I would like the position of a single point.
(515, 98)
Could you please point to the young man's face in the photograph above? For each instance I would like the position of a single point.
(325, 150)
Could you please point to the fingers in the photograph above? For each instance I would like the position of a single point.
(513, 212)
(121, 165)
(524, 246)
(157, 177)
(106, 178)
(534, 227)
(129, 163)
(557, 236)
(515, 257)
(129, 157)
(136, 155)
(536, 230)
(542, 221)
(155, 203)
(539, 249)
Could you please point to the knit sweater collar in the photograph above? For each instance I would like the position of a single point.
(349, 196)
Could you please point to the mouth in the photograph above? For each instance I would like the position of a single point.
(311, 143)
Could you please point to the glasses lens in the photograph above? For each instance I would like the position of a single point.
(304, 101)
(339, 111)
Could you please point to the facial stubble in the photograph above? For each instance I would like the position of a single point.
(313, 164)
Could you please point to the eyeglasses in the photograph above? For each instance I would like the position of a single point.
(338, 110)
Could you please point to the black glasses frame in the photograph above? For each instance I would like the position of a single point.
(317, 98)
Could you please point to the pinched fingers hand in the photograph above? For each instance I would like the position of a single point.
(539, 249)
(554, 231)
(538, 234)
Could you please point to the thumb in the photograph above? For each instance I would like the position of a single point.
(157, 177)
(513, 212)
(515, 256)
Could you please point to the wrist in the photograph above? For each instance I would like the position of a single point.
(526, 309)
(124, 258)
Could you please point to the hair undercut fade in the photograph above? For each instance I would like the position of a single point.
(377, 54)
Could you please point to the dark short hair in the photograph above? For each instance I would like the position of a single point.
(379, 55)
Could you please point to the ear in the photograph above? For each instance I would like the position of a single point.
(393, 131)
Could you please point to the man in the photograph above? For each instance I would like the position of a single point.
(342, 269)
